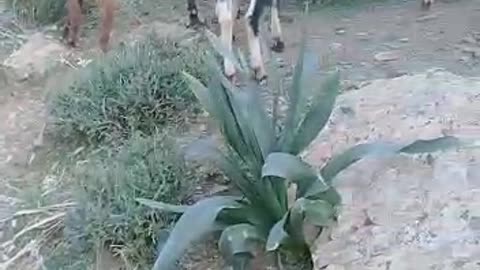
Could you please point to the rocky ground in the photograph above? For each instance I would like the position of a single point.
(406, 213)
(424, 210)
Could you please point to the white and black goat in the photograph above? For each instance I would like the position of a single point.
(227, 12)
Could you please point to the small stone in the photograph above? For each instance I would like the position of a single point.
(340, 31)
(470, 40)
(404, 40)
(335, 267)
(464, 59)
(428, 17)
(387, 56)
(363, 36)
(336, 47)
(475, 52)
(395, 73)
(393, 46)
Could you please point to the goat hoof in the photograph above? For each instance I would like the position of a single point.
(71, 43)
(259, 75)
(232, 78)
(278, 45)
(195, 23)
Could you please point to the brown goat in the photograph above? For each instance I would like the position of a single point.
(74, 20)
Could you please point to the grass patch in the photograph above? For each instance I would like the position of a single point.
(136, 88)
(38, 11)
(107, 215)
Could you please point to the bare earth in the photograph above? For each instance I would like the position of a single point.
(370, 41)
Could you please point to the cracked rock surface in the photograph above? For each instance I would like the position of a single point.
(404, 212)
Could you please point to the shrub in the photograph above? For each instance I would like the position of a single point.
(105, 191)
(38, 11)
(137, 88)
(281, 194)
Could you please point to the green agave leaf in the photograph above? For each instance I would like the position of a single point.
(200, 91)
(197, 221)
(354, 154)
(239, 239)
(310, 102)
(319, 113)
(317, 212)
(180, 209)
(293, 169)
(296, 98)
(222, 50)
(256, 119)
(276, 86)
(331, 196)
(242, 261)
(428, 146)
(277, 236)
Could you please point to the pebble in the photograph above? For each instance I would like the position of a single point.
(404, 40)
(340, 31)
(470, 40)
(428, 17)
(464, 59)
(336, 47)
(387, 56)
(362, 36)
(475, 52)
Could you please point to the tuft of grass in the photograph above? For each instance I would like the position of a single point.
(106, 213)
(40, 12)
(136, 88)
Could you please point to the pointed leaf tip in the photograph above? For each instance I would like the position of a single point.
(239, 239)
(202, 216)
(180, 209)
(344, 160)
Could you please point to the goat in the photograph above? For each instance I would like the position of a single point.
(74, 20)
(226, 12)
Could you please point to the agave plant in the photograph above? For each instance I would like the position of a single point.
(262, 163)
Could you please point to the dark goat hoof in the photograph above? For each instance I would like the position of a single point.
(278, 45)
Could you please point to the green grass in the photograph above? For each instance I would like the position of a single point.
(135, 88)
(107, 215)
(38, 11)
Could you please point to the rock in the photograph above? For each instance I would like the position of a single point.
(404, 40)
(419, 218)
(464, 59)
(474, 51)
(340, 31)
(469, 40)
(387, 56)
(393, 73)
(362, 36)
(428, 17)
(336, 47)
(335, 267)
(36, 57)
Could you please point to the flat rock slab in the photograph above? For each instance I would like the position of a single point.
(37, 56)
(405, 212)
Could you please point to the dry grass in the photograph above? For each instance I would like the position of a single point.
(28, 230)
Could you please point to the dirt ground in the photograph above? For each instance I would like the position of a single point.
(368, 41)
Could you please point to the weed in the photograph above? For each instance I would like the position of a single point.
(137, 88)
(106, 185)
(38, 11)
